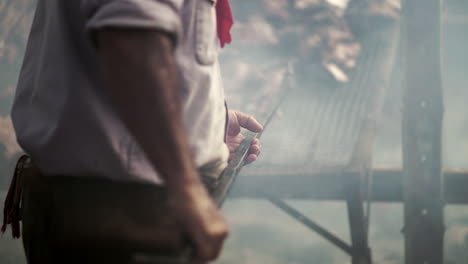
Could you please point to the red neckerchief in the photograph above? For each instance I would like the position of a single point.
(225, 20)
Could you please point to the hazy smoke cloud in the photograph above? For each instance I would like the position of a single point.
(257, 30)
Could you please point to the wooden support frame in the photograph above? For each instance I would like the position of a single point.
(380, 45)
(387, 186)
(361, 252)
(330, 237)
(421, 132)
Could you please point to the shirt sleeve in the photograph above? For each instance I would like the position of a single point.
(147, 14)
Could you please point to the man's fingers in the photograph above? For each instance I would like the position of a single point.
(255, 149)
(209, 239)
(233, 125)
(251, 158)
(209, 245)
(238, 139)
(255, 141)
(248, 122)
(209, 251)
(233, 143)
(201, 220)
(233, 148)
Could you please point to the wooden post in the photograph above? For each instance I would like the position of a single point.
(422, 129)
(379, 38)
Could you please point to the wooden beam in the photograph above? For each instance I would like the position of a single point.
(309, 223)
(422, 132)
(387, 186)
(456, 19)
(377, 62)
(353, 192)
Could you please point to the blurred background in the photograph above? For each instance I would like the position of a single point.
(328, 46)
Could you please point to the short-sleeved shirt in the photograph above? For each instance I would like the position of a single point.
(61, 113)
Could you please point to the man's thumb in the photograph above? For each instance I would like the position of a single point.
(248, 122)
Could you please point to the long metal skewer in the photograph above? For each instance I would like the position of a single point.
(224, 184)
(227, 179)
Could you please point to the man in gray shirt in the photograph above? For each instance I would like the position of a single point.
(130, 91)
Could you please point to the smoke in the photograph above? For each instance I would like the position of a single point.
(261, 233)
(315, 35)
(255, 31)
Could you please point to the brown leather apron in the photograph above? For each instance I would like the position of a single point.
(93, 220)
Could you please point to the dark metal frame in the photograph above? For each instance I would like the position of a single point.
(387, 186)
(422, 132)
(420, 184)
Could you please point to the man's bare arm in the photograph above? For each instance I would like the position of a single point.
(141, 75)
(142, 80)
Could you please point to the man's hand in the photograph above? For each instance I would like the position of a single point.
(142, 80)
(201, 220)
(238, 120)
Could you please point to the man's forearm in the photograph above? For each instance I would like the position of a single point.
(142, 79)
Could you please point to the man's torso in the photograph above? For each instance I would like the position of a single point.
(61, 113)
